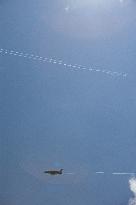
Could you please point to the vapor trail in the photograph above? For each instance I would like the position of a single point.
(72, 67)
(116, 173)
(123, 173)
(99, 172)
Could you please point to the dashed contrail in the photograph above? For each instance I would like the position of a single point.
(72, 67)
(117, 173)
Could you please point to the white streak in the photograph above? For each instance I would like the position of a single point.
(69, 173)
(99, 172)
(60, 62)
(123, 173)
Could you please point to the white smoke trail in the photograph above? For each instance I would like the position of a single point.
(99, 172)
(72, 67)
(123, 173)
(132, 186)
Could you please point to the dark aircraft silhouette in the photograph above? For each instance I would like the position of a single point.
(54, 172)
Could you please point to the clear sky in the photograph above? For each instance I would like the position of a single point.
(67, 100)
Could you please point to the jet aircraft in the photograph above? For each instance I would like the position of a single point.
(53, 172)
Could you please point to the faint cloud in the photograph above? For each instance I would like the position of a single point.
(132, 186)
(127, 1)
(92, 19)
(67, 8)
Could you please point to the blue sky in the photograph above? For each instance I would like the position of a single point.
(58, 116)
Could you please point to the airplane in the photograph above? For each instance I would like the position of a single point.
(54, 172)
